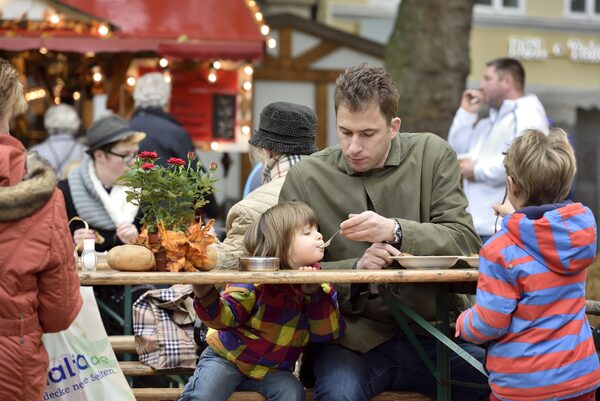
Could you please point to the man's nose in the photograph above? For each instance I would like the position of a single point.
(355, 145)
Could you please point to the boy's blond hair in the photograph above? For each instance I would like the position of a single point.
(273, 234)
(542, 166)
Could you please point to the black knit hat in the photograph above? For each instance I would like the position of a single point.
(286, 128)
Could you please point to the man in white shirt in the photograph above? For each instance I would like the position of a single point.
(480, 144)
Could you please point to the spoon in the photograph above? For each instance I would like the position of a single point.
(326, 243)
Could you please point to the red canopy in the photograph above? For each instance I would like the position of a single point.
(202, 29)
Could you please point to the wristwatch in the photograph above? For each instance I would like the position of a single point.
(397, 234)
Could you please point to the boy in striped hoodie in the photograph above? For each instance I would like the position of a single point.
(531, 290)
(257, 331)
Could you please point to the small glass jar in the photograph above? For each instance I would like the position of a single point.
(88, 256)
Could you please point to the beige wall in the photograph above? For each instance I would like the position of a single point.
(545, 8)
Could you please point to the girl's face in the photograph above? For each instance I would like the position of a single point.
(306, 247)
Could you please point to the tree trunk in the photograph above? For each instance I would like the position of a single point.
(428, 57)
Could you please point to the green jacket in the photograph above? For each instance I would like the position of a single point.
(420, 185)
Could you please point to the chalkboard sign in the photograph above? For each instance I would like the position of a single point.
(223, 118)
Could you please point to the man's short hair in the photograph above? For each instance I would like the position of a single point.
(510, 66)
(361, 86)
(542, 166)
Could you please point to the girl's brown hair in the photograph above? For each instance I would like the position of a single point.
(273, 234)
(542, 166)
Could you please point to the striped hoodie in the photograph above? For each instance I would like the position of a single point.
(263, 328)
(531, 305)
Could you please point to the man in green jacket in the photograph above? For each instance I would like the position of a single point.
(388, 192)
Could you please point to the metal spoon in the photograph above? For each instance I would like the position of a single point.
(326, 243)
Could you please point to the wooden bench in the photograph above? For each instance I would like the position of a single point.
(126, 345)
(168, 394)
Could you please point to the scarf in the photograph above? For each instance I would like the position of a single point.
(279, 166)
(94, 204)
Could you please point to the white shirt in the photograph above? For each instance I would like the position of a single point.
(484, 142)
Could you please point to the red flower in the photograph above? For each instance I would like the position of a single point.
(148, 155)
(148, 166)
(191, 156)
(177, 161)
(213, 166)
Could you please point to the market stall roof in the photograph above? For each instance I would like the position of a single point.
(225, 29)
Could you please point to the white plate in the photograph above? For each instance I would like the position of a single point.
(473, 261)
(426, 262)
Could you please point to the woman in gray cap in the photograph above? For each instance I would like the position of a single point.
(90, 191)
(286, 134)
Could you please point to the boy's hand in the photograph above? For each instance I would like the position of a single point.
(202, 290)
(503, 209)
(309, 288)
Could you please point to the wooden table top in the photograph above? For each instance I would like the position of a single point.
(113, 277)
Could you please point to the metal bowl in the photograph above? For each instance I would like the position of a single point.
(259, 264)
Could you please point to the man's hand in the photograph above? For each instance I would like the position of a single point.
(377, 257)
(467, 169)
(309, 288)
(471, 100)
(368, 226)
(127, 232)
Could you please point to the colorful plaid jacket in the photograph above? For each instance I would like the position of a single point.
(263, 328)
(531, 305)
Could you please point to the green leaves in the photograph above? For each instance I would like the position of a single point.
(168, 194)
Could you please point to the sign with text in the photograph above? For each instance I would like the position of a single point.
(535, 48)
(206, 109)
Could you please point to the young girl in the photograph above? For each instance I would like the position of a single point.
(259, 330)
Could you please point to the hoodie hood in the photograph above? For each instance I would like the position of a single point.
(26, 180)
(562, 236)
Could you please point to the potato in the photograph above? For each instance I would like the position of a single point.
(130, 258)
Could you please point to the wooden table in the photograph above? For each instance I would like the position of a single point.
(113, 277)
(441, 370)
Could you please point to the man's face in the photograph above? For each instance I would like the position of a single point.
(494, 87)
(365, 136)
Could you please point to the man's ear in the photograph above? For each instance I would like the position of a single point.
(395, 125)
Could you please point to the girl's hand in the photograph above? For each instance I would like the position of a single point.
(309, 288)
(202, 290)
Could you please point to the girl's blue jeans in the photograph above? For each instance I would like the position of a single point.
(216, 378)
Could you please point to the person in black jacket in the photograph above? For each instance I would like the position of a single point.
(91, 192)
(164, 134)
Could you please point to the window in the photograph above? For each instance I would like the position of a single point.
(510, 6)
(578, 6)
(583, 8)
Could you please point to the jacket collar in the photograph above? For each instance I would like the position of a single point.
(157, 111)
